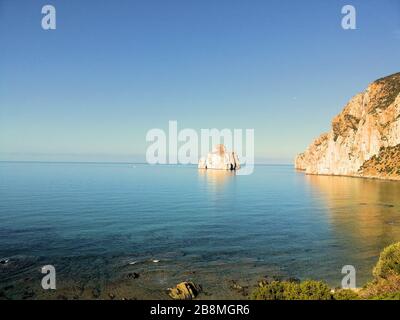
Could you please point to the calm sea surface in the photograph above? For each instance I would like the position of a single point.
(98, 223)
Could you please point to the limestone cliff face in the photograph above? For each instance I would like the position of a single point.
(367, 126)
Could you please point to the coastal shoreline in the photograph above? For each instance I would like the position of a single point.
(397, 179)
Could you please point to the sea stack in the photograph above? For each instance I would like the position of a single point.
(220, 159)
(364, 139)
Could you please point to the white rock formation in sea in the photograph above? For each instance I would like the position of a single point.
(220, 159)
(367, 130)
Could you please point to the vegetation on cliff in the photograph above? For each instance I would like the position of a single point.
(386, 164)
(385, 285)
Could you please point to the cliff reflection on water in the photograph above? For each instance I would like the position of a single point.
(364, 213)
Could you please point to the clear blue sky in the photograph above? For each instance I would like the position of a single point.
(112, 70)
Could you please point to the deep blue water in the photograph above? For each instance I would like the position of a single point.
(276, 220)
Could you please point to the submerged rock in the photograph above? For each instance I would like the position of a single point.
(96, 293)
(185, 291)
(111, 296)
(220, 159)
(133, 275)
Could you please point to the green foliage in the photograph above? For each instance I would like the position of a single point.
(386, 296)
(345, 294)
(385, 285)
(389, 262)
(314, 290)
(276, 290)
(284, 290)
(381, 288)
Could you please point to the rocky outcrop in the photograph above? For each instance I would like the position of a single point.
(368, 125)
(185, 291)
(386, 164)
(220, 159)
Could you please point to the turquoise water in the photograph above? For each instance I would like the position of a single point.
(92, 220)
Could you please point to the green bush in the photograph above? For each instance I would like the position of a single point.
(275, 290)
(381, 288)
(386, 296)
(389, 262)
(284, 290)
(385, 285)
(314, 290)
(345, 294)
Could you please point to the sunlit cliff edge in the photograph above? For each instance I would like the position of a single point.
(364, 139)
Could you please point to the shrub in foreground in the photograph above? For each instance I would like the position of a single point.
(385, 286)
(389, 262)
(284, 290)
(345, 294)
(382, 288)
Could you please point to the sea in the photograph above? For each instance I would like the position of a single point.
(131, 231)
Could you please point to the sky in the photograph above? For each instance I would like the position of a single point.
(112, 70)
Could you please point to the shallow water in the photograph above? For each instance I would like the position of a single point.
(92, 220)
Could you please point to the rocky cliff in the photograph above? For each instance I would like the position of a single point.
(365, 137)
(220, 159)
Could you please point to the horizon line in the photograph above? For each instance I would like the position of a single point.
(124, 162)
